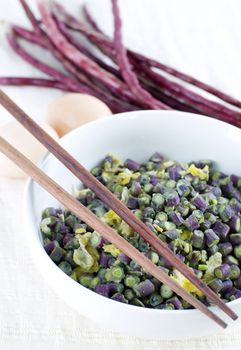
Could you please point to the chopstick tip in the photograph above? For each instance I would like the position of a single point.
(224, 325)
(235, 316)
(231, 313)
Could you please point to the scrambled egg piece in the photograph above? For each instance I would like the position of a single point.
(124, 177)
(134, 176)
(111, 218)
(116, 161)
(185, 235)
(107, 176)
(86, 256)
(125, 194)
(125, 230)
(111, 248)
(214, 261)
(185, 283)
(203, 174)
(158, 228)
(80, 230)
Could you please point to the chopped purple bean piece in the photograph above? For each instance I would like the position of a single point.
(174, 172)
(225, 248)
(230, 259)
(135, 188)
(67, 238)
(222, 271)
(103, 289)
(172, 198)
(57, 254)
(206, 224)
(230, 295)
(213, 249)
(175, 302)
(227, 286)
(104, 260)
(119, 297)
(236, 194)
(124, 258)
(50, 246)
(200, 202)
(235, 223)
(228, 189)
(176, 218)
(211, 238)
(172, 234)
(235, 205)
(145, 288)
(132, 165)
(225, 212)
(132, 203)
(237, 294)
(237, 282)
(234, 272)
(198, 239)
(191, 223)
(235, 238)
(157, 157)
(216, 191)
(221, 229)
(234, 179)
(154, 179)
(216, 285)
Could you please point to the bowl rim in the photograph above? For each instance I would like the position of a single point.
(27, 200)
(141, 113)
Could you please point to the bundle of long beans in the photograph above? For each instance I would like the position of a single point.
(132, 82)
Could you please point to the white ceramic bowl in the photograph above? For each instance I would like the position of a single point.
(180, 136)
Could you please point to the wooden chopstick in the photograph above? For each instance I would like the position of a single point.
(110, 200)
(106, 231)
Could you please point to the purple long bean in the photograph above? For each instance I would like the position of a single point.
(165, 68)
(28, 81)
(127, 73)
(115, 85)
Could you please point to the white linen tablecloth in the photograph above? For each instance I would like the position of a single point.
(201, 38)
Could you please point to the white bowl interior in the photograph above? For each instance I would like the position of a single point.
(136, 135)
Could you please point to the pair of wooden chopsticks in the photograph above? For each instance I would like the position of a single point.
(112, 202)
